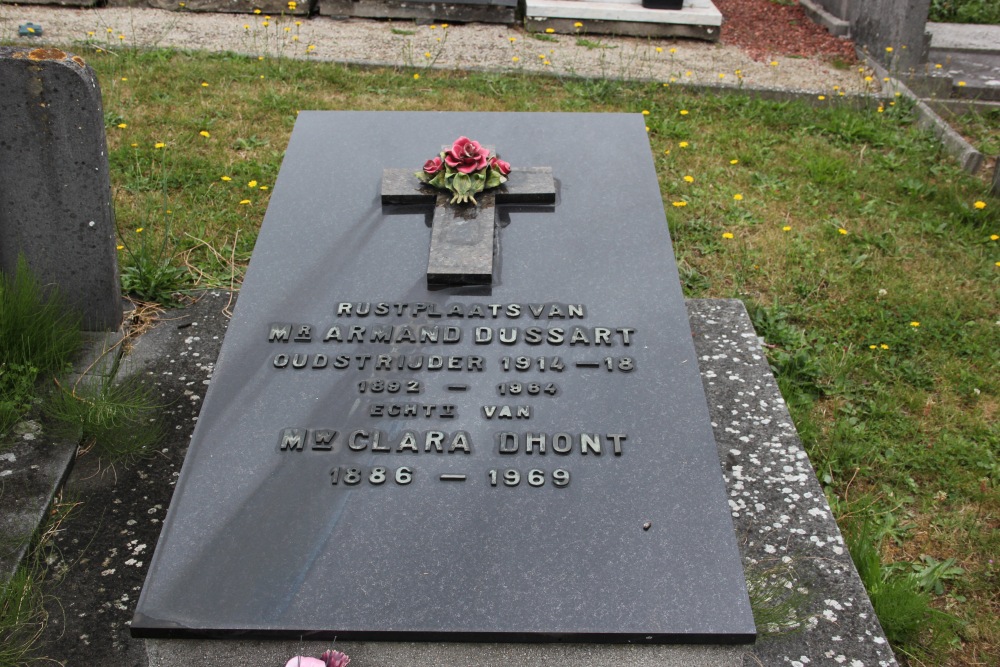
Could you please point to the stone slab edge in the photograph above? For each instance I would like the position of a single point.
(34, 465)
(954, 144)
(786, 533)
(836, 26)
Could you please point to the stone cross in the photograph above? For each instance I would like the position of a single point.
(462, 236)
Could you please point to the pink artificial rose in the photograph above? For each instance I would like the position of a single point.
(302, 661)
(432, 166)
(333, 658)
(500, 165)
(466, 156)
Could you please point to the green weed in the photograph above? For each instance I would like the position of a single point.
(117, 418)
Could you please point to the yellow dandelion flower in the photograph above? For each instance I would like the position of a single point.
(546, 62)
(427, 54)
(138, 230)
(914, 324)
(684, 112)
(996, 263)
(961, 83)
(680, 204)
(295, 38)
(868, 79)
(734, 162)
(774, 63)
(244, 202)
(884, 346)
(159, 144)
(516, 59)
(292, 5)
(226, 178)
(512, 39)
(888, 49)
(121, 37)
(821, 97)
(549, 31)
(577, 25)
(841, 230)
(687, 73)
(246, 26)
(683, 144)
(689, 179)
(645, 112)
(994, 237)
(205, 134)
(727, 235)
(122, 126)
(119, 247)
(980, 205)
(110, 30)
(880, 109)
(938, 66)
(647, 128)
(433, 27)
(252, 184)
(134, 145)
(298, 23)
(260, 57)
(263, 187)
(256, 11)
(266, 23)
(722, 76)
(90, 33)
(416, 77)
(738, 197)
(786, 228)
(204, 84)
(444, 26)
(673, 50)
(659, 49)
(873, 347)
(287, 29)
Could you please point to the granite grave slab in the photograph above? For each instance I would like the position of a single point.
(531, 460)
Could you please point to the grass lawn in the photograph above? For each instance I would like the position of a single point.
(869, 262)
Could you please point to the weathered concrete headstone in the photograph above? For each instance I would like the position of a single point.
(877, 24)
(527, 461)
(55, 190)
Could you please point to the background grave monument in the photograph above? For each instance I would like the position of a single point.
(527, 461)
(55, 190)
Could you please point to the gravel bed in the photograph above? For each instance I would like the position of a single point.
(780, 53)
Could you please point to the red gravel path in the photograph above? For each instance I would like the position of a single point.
(766, 28)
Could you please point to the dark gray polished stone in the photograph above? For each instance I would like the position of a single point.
(462, 237)
(637, 547)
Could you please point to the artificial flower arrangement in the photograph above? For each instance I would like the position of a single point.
(464, 170)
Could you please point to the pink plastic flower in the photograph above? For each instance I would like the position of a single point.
(433, 166)
(466, 156)
(500, 165)
(335, 658)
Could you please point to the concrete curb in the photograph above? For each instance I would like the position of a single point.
(956, 145)
(35, 465)
(837, 27)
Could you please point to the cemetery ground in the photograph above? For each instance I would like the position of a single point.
(870, 264)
